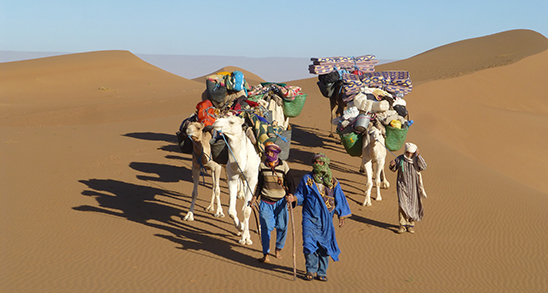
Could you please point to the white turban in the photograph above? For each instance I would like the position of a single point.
(410, 147)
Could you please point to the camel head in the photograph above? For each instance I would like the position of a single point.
(194, 131)
(231, 125)
(375, 134)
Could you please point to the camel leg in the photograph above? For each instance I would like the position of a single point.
(378, 171)
(333, 110)
(211, 205)
(384, 183)
(216, 196)
(232, 191)
(368, 186)
(196, 179)
(241, 189)
(246, 236)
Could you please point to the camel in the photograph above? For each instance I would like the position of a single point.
(243, 163)
(373, 157)
(201, 156)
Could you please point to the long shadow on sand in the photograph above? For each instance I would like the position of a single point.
(153, 136)
(154, 207)
(162, 172)
(143, 204)
(370, 222)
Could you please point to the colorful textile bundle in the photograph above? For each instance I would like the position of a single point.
(391, 81)
(352, 84)
(287, 92)
(326, 65)
(396, 89)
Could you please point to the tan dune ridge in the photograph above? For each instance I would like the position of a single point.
(471, 55)
(93, 186)
(88, 88)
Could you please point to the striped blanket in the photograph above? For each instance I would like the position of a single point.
(394, 81)
(326, 65)
(391, 81)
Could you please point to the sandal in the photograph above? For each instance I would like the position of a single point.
(322, 278)
(309, 276)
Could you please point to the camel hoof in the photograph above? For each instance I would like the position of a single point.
(385, 185)
(246, 241)
(366, 204)
(189, 217)
(210, 208)
(378, 198)
(219, 215)
(331, 135)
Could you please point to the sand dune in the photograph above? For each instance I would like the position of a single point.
(93, 184)
(85, 88)
(471, 55)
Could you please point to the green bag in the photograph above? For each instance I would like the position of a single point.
(395, 137)
(352, 143)
(294, 108)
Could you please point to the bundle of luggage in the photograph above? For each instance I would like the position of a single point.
(378, 108)
(371, 96)
(266, 108)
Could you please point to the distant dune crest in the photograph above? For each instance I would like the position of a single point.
(66, 80)
(471, 55)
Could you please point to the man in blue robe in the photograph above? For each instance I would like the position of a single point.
(321, 197)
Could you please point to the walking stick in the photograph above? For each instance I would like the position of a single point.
(294, 248)
(255, 212)
(292, 225)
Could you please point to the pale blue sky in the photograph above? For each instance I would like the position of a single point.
(395, 29)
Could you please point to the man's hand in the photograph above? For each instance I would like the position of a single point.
(252, 201)
(392, 163)
(289, 198)
(341, 222)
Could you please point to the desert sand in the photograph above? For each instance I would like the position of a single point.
(93, 185)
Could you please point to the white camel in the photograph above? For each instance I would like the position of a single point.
(243, 163)
(201, 156)
(374, 155)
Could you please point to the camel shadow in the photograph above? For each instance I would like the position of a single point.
(154, 207)
(153, 136)
(163, 172)
(306, 136)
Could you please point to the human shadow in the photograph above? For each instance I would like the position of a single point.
(371, 222)
(154, 207)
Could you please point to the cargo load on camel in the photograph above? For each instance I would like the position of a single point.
(266, 107)
(371, 98)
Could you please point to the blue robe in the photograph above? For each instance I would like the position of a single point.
(318, 229)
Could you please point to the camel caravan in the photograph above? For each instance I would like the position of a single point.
(234, 121)
(368, 110)
(230, 128)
